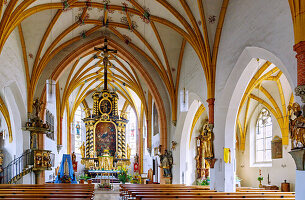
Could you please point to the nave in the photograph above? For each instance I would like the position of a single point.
(152, 99)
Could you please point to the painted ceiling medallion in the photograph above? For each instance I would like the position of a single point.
(106, 1)
(124, 20)
(146, 15)
(212, 19)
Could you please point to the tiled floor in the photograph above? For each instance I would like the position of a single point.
(107, 195)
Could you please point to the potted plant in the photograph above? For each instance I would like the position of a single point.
(123, 176)
(204, 181)
(89, 181)
(83, 178)
(260, 179)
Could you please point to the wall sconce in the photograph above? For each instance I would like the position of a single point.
(242, 165)
(283, 165)
(174, 143)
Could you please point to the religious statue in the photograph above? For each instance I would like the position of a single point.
(74, 163)
(166, 161)
(82, 149)
(174, 143)
(296, 126)
(136, 158)
(128, 151)
(73, 157)
(38, 159)
(207, 141)
(37, 107)
(66, 168)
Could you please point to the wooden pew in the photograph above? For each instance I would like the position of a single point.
(47, 191)
(217, 195)
(187, 192)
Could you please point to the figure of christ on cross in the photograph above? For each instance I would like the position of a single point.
(105, 53)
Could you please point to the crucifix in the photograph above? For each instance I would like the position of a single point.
(105, 53)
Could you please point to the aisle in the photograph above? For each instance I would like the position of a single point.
(109, 195)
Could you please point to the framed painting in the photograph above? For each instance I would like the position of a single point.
(105, 138)
(277, 148)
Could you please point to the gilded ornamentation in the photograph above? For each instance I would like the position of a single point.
(296, 126)
(207, 138)
(82, 150)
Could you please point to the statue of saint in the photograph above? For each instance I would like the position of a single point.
(82, 150)
(296, 126)
(207, 141)
(166, 160)
(128, 151)
(73, 157)
(37, 107)
(66, 168)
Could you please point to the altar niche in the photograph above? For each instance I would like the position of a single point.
(105, 134)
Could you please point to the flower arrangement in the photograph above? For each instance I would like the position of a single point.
(65, 179)
(135, 179)
(123, 176)
(203, 181)
(260, 178)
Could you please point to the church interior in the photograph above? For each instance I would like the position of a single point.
(152, 99)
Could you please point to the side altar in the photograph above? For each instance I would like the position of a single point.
(105, 146)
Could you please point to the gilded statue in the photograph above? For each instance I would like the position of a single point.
(296, 126)
(82, 149)
(207, 137)
(128, 151)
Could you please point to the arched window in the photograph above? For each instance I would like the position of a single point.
(78, 129)
(263, 137)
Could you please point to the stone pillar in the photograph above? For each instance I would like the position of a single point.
(300, 50)
(211, 110)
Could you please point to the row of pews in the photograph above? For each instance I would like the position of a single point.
(47, 191)
(182, 192)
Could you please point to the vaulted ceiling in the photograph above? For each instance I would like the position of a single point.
(157, 29)
(268, 88)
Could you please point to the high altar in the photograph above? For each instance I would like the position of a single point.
(105, 146)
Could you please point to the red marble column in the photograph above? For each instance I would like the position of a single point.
(211, 110)
(300, 50)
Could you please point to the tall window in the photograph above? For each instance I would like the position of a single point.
(263, 137)
(78, 128)
(131, 131)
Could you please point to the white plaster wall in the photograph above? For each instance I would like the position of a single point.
(284, 167)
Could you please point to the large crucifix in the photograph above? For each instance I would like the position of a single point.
(105, 53)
